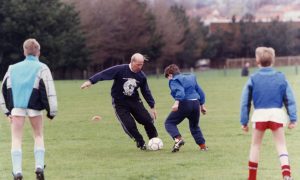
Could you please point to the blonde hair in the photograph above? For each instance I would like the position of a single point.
(31, 47)
(265, 56)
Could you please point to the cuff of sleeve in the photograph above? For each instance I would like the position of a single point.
(201, 101)
(244, 124)
(91, 81)
(50, 116)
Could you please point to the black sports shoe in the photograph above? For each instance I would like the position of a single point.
(144, 147)
(141, 145)
(177, 145)
(39, 174)
(18, 176)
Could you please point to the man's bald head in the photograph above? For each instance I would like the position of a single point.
(138, 57)
(137, 62)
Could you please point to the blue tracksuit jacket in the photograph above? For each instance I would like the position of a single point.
(185, 87)
(267, 88)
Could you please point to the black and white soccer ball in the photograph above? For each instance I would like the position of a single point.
(155, 144)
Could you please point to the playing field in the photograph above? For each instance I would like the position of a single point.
(78, 149)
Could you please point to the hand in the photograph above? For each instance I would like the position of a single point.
(292, 125)
(85, 85)
(203, 109)
(245, 128)
(175, 106)
(154, 113)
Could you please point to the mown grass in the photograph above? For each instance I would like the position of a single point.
(79, 149)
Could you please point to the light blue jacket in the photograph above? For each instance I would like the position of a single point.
(28, 84)
(267, 88)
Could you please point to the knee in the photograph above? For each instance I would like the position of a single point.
(168, 124)
(149, 123)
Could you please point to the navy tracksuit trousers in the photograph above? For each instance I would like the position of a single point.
(128, 111)
(189, 109)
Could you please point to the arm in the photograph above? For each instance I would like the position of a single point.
(48, 93)
(107, 74)
(246, 104)
(200, 92)
(177, 91)
(202, 97)
(4, 96)
(145, 90)
(290, 105)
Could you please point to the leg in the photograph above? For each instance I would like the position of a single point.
(142, 116)
(17, 124)
(257, 137)
(39, 147)
(171, 123)
(128, 124)
(280, 142)
(196, 132)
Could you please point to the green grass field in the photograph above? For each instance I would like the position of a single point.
(78, 149)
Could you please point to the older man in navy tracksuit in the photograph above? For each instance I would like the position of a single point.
(128, 78)
(189, 100)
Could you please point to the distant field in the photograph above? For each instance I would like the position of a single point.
(78, 149)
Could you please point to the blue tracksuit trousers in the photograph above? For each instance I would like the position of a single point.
(189, 109)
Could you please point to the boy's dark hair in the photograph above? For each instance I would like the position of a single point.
(171, 69)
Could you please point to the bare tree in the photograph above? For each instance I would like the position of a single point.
(115, 29)
(169, 30)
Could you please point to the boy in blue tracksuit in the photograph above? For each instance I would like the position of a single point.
(189, 100)
(269, 90)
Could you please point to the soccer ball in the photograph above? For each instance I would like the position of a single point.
(155, 144)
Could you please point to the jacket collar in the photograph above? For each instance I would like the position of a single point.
(266, 70)
(31, 58)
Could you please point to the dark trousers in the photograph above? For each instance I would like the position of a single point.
(189, 109)
(127, 111)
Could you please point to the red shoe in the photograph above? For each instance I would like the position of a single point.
(203, 147)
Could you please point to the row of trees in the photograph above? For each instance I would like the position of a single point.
(88, 36)
(54, 24)
(242, 38)
(116, 29)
